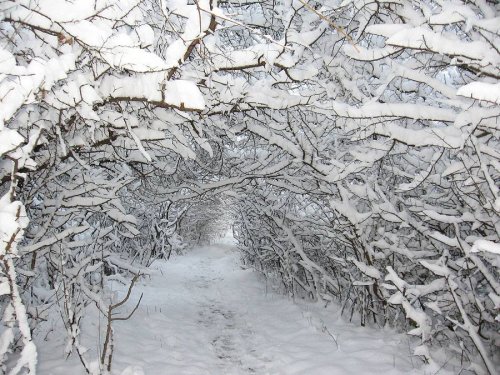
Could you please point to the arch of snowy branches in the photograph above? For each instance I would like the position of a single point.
(352, 145)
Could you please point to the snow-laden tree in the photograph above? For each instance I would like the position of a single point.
(86, 103)
(13, 223)
(95, 95)
(398, 128)
(359, 139)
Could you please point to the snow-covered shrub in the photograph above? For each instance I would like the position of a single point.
(358, 140)
(396, 131)
(87, 105)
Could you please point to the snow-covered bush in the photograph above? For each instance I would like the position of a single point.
(396, 132)
(86, 107)
(358, 140)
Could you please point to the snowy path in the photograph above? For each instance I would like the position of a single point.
(201, 314)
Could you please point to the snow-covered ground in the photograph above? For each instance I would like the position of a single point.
(202, 314)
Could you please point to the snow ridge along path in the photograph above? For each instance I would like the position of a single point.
(202, 314)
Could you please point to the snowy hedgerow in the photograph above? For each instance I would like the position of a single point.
(397, 191)
(357, 139)
(85, 103)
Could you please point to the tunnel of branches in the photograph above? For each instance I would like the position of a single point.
(351, 164)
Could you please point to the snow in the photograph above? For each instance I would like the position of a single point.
(181, 94)
(481, 91)
(485, 246)
(10, 140)
(202, 313)
(88, 32)
(397, 281)
(367, 270)
(146, 35)
(452, 14)
(347, 210)
(421, 38)
(417, 101)
(386, 30)
(436, 268)
(13, 218)
(135, 59)
(19, 91)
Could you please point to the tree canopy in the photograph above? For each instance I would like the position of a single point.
(352, 145)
